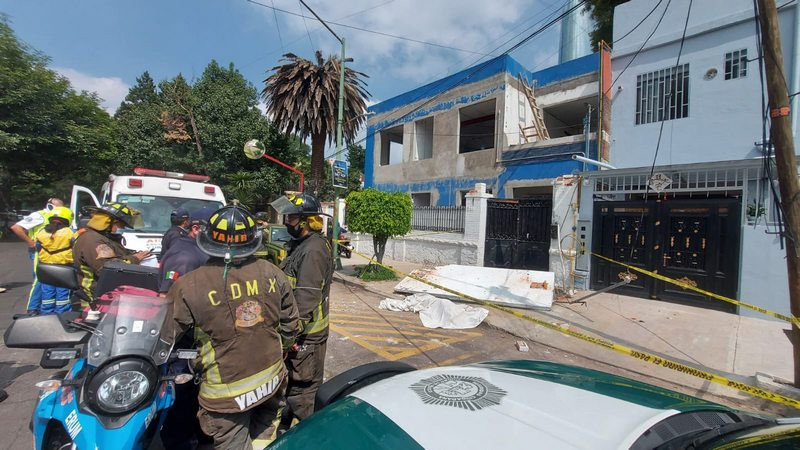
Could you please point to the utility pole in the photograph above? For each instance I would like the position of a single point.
(339, 124)
(781, 138)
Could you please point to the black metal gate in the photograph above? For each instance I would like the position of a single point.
(518, 234)
(695, 241)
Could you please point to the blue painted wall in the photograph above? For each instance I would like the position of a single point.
(449, 187)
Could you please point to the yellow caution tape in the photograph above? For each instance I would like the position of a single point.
(640, 355)
(780, 436)
(690, 287)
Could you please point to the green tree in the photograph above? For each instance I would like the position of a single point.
(602, 12)
(302, 98)
(50, 135)
(381, 214)
(355, 156)
(140, 132)
(200, 127)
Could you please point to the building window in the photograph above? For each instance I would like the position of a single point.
(421, 199)
(477, 127)
(423, 139)
(392, 145)
(736, 64)
(662, 95)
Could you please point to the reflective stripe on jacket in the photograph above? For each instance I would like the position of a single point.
(242, 321)
(309, 267)
(91, 250)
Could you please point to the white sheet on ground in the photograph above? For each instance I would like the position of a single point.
(530, 289)
(438, 312)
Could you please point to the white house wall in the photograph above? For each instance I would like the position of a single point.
(723, 122)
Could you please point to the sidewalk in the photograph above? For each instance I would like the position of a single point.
(730, 345)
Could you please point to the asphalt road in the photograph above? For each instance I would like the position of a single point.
(360, 333)
(19, 369)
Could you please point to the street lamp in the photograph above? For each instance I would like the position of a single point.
(339, 123)
(254, 149)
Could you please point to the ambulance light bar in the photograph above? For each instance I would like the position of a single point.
(177, 175)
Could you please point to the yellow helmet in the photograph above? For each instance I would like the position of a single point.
(61, 212)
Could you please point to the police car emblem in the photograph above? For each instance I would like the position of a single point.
(472, 393)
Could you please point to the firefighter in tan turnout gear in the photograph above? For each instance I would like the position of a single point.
(97, 244)
(309, 267)
(244, 317)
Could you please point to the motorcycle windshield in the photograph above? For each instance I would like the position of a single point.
(132, 326)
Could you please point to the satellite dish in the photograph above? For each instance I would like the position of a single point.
(254, 149)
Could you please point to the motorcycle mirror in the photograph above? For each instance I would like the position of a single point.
(187, 353)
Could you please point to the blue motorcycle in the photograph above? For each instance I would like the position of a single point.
(119, 389)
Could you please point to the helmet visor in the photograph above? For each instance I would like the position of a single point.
(283, 206)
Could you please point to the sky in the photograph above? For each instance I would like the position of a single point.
(102, 46)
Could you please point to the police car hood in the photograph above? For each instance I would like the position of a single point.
(505, 404)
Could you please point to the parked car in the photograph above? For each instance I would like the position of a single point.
(273, 243)
(520, 404)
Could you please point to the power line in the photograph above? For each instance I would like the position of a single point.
(469, 75)
(311, 43)
(365, 10)
(380, 33)
(669, 94)
(640, 48)
(308, 33)
(767, 147)
(277, 26)
(640, 22)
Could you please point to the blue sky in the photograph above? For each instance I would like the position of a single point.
(104, 45)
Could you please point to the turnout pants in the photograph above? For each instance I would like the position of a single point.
(252, 429)
(306, 369)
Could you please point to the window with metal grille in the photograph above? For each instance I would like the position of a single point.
(736, 64)
(662, 95)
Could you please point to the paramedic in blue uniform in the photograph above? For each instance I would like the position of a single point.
(180, 227)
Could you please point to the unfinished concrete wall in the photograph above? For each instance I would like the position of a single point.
(446, 160)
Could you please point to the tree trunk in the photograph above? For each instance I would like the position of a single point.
(379, 245)
(317, 160)
(196, 134)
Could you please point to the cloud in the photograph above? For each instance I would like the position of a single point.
(475, 25)
(112, 90)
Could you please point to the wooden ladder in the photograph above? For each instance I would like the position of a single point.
(537, 132)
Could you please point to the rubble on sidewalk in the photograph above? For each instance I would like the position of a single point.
(438, 312)
(530, 289)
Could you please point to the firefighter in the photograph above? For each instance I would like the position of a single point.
(309, 266)
(244, 317)
(54, 242)
(98, 243)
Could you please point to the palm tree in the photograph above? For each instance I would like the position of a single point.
(303, 98)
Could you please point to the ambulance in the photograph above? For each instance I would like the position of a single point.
(154, 194)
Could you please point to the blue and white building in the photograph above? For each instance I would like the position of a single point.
(712, 222)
